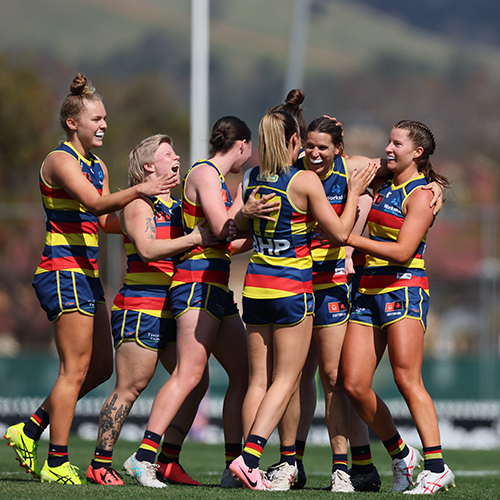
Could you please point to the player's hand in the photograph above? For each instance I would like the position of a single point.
(349, 268)
(161, 185)
(260, 208)
(203, 236)
(336, 121)
(437, 201)
(361, 179)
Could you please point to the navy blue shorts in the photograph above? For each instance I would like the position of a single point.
(205, 297)
(384, 309)
(148, 331)
(286, 311)
(332, 306)
(67, 291)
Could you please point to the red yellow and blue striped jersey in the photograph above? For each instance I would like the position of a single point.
(328, 258)
(281, 263)
(147, 283)
(203, 264)
(71, 241)
(385, 220)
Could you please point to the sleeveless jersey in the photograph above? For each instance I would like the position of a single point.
(328, 258)
(203, 264)
(71, 241)
(281, 264)
(384, 223)
(147, 283)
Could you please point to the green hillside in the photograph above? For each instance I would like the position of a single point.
(344, 36)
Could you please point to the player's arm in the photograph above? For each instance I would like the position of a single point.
(139, 224)
(383, 173)
(307, 186)
(110, 222)
(62, 170)
(204, 185)
(418, 218)
(241, 245)
(364, 205)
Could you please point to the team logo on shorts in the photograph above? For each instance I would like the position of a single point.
(336, 307)
(394, 306)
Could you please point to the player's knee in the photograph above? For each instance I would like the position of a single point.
(134, 390)
(190, 381)
(203, 384)
(80, 378)
(404, 382)
(352, 389)
(331, 380)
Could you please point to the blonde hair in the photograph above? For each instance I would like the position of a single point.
(144, 153)
(81, 91)
(275, 130)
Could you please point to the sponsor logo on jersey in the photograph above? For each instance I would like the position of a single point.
(267, 178)
(390, 208)
(403, 276)
(270, 246)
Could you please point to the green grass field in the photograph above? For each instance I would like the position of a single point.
(477, 475)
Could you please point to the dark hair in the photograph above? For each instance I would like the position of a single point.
(81, 90)
(292, 105)
(226, 131)
(329, 126)
(422, 136)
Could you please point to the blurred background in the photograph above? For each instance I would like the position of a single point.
(369, 63)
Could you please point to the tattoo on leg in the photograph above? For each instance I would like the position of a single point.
(111, 421)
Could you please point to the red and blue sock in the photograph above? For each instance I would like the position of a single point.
(149, 447)
(300, 447)
(36, 424)
(287, 454)
(396, 447)
(102, 458)
(433, 459)
(339, 462)
(169, 453)
(253, 450)
(58, 455)
(361, 459)
(232, 451)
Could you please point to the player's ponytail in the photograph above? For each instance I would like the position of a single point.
(275, 131)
